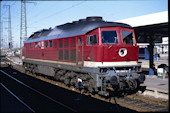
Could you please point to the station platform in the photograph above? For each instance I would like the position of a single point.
(155, 86)
(145, 63)
(164, 59)
(15, 60)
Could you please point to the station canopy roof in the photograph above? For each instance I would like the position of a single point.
(152, 24)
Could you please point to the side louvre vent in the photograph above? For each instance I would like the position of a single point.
(60, 54)
(73, 55)
(73, 42)
(66, 55)
(66, 43)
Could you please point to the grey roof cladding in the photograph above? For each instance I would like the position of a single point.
(76, 28)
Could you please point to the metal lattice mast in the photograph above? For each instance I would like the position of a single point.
(9, 27)
(2, 38)
(23, 25)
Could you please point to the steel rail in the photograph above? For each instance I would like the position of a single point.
(17, 97)
(39, 92)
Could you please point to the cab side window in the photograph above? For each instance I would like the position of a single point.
(91, 40)
(128, 37)
(51, 44)
(35, 44)
(46, 43)
(80, 41)
(39, 44)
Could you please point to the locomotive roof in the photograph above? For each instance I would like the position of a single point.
(76, 28)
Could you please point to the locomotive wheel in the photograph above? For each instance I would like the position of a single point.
(132, 84)
(62, 78)
(26, 68)
(73, 81)
(67, 78)
(90, 89)
(122, 85)
(91, 85)
(135, 84)
(57, 77)
(61, 73)
(67, 81)
(33, 72)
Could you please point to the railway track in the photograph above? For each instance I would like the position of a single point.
(147, 105)
(134, 101)
(5, 92)
(76, 101)
(40, 99)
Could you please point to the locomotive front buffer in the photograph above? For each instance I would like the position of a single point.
(119, 78)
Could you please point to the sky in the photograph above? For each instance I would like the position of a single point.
(46, 14)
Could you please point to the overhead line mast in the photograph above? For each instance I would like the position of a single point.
(9, 27)
(23, 25)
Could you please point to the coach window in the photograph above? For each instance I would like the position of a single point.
(80, 41)
(39, 44)
(109, 37)
(30, 45)
(91, 40)
(46, 43)
(51, 43)
(35, 44)
(128, 37)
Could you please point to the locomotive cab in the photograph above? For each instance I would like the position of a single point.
(120, 65)
(119, 45)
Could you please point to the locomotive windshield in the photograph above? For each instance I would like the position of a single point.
(109, 37)
(127, 37)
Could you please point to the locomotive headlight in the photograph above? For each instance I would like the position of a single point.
(122, 52)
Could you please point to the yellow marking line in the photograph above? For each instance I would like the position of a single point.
(69, 63)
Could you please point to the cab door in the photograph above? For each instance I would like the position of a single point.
(111, 42)
(80, 51)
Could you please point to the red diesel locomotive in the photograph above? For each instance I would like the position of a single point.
(98, 54)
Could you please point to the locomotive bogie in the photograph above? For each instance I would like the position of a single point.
(93, 79)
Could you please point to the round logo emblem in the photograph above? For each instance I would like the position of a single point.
(123, 52)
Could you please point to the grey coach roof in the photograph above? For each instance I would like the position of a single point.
(76, 28)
